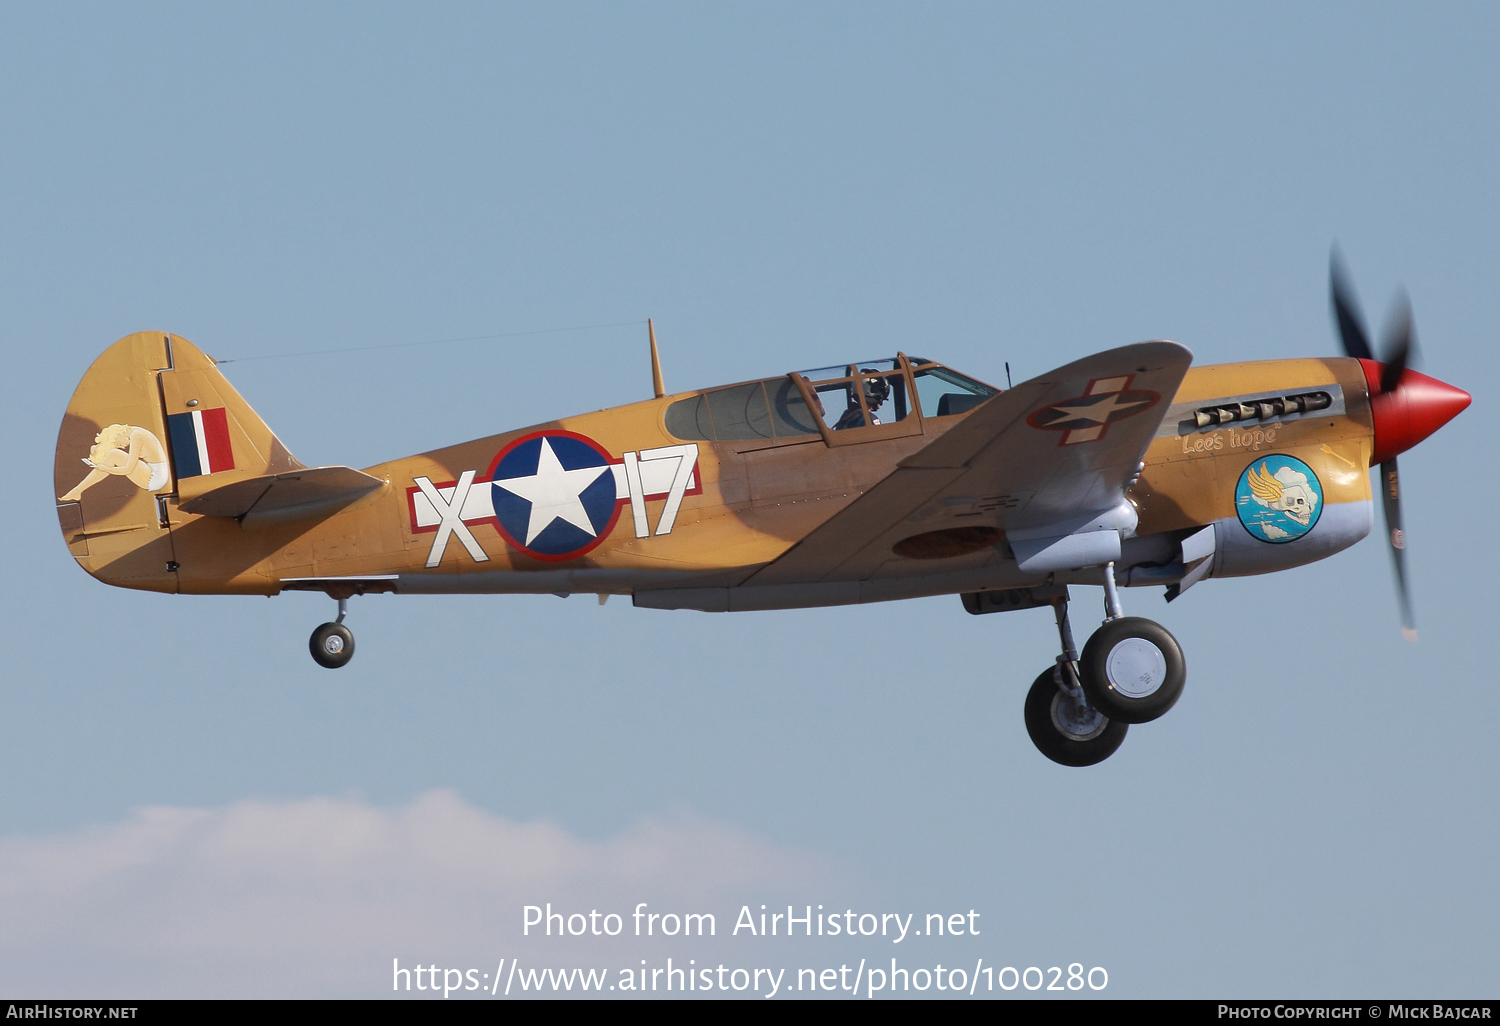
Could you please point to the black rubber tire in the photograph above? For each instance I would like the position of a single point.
(332, 645)
(1093, 670)
(1053, 743)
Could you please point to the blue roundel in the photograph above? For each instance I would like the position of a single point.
(554, 495)
(1278, 498)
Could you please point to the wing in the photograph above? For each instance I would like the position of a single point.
(1052, 452)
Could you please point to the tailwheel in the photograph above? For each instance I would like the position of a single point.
(1132, 669)
(332, 645)
(1066, 728)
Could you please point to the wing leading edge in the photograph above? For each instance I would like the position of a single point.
(1048, 460)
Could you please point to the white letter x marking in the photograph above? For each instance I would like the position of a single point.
(451, 522)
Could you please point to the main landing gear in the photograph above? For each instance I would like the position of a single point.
(332, 644)
(1131, 671)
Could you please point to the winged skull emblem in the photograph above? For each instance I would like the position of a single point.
(1286, 491)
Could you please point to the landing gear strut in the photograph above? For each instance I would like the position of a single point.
(332, 644)
(1131, 671)
(1063, 724)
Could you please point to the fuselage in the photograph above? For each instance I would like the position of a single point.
(703, 489)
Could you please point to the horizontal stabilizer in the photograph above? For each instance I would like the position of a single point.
(294, 495)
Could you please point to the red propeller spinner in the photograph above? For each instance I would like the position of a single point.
(1411, 411)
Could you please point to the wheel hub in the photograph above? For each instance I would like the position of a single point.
(333, 644)
(1135, 668)
(1076, 721)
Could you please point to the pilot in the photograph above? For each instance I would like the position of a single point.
(877, 391)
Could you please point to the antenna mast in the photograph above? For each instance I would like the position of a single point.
(656, 382)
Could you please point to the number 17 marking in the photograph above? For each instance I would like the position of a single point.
(637, 468)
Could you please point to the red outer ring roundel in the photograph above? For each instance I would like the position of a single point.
(1124, 402)
(604, 531)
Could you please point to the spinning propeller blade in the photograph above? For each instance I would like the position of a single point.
(1398, 398)
(1398, 345)
(1346, 313)
(1390, 494)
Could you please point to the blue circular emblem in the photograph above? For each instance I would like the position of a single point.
(554, 494)
(1278, 499)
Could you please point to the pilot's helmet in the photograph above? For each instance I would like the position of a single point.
(877, 391)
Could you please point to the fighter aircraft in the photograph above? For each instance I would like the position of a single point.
(866, 481)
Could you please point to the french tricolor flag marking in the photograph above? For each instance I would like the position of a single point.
(200, 442)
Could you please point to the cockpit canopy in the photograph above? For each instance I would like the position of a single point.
(848, 397)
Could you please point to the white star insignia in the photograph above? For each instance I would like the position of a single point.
(554, 494)
(1098, 412)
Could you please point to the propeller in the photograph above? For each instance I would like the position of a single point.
(1397, 348)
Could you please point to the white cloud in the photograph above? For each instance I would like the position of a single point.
(315, 897)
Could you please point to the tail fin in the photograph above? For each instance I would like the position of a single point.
(153, 418)
(215, 437)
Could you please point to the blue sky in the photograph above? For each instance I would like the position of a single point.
(778, 186)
